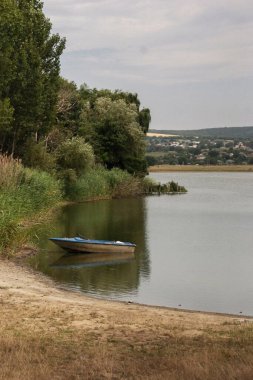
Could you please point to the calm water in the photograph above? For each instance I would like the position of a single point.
(194, 251)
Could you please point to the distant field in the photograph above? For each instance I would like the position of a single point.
(201, 168)
(150, 134)
(227, 132)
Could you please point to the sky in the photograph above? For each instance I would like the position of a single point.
(190, 61)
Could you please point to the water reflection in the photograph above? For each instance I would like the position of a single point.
(92, 259)
(106, 274)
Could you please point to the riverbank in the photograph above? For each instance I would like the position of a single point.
(201, 168)
(27, 194)
(47, 332)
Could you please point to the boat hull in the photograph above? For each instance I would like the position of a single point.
(96, 247)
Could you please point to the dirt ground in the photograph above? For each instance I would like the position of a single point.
(48, 332)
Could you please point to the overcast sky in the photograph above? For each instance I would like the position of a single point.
(190, 61)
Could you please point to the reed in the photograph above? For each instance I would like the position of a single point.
(100, 183)
(23, 194)
(93, 184)
(150, 186)
(11, 172)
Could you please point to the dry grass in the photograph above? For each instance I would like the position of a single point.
(60, 342)
(46, 333)
(10, 171)
(201, 168)
(71, 354)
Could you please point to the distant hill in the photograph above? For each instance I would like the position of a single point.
(226, 132)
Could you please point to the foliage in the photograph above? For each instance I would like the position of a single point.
(144, 119)
(75, 154)
(38, 157)
(69, 107)
(92, 95)
(115, 134)
(6, 120)
(40, 111)
(102, 183)
(29, 64)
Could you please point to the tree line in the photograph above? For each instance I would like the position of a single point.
(50, 122)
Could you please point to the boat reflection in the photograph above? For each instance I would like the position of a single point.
(92, 260)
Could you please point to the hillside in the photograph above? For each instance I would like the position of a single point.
(226, 132)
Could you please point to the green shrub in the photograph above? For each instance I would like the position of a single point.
(75, 154)
(37, 157)
(102, 183)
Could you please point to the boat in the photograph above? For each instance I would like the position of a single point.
(81, 244)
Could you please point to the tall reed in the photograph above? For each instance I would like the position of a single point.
(23, 193)
(102, 183)
(11, 172)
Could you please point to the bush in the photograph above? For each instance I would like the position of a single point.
(124, 184)
(102, 183)
(37, 157)
(75, 154)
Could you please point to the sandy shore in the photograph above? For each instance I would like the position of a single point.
(20, 284)
(159, 342)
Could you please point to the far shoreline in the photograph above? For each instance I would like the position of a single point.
(201, 168)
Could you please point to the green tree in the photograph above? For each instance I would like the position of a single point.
(145, 119)
(69, 107)
(91, 96)
(6, 120)
(38, 157)
(29, 69)
(115, 134)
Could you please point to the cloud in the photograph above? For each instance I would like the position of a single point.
(167, 35)
(160, 43)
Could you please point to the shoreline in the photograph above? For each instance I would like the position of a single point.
(201, 168)
(19, 263)
(36, 311)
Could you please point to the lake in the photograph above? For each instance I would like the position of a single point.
(194, 251)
